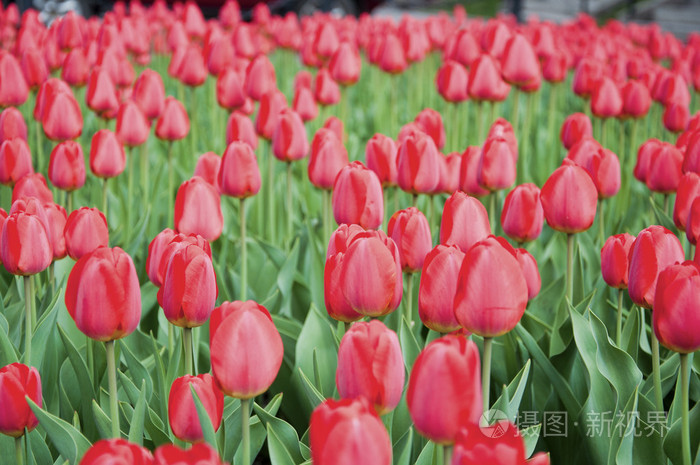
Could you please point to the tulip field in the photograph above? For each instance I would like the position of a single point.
(347, 241)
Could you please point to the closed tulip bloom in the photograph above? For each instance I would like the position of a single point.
(418, 165)
(586, 76)
(336, 304)
(654, 249)
(438, 285)
(67, 166)
(606, 101)
(260, 77)
(357, 197)
(463, 47)
(207, 168)
(604, 168)
(107, 157)
(692, 225)
(676, 309)
(380, 156)
(468, 172)
(492, 292)
(198, 209)
(103, 295)
(239, 175)
(444, 388)
(451, 82)
(528, 265)
(519, 62)
(644, 156)
(17, 381)
(132, 126)
(32, 185)
(155, 254)
(328, 158)
(101, 96)
(336, 125)
(691, 159)
(614, 260)
(370, 365)
(555, 67)
(289, 142)
(192, 70)
(189, 289)
(485, 81)
(15, 161)
(240, 128)
(271, 105)
(345, 64)
(182, 412)
(688, 191)
(582, 151)
(246, 349)
(25, 245)
(347, 432)
(411, 232)
(326, 90)
(497, 164)
(117, 452)
(569, 199)
(230, 90)
(86, 230)
(149, 93)
(45, 93)
(636, 99)
(464, 221)
(304, 103)
(12, 124)
(449, 179)
(475, 445)
(675, 117)
(665, 169)
(75, 68)
(173, 123)
(199, 454)
(522, 216)
(61, 117)
(576, 127)
(392, 57)
(430, 122)
(56, 217)
(13, 87)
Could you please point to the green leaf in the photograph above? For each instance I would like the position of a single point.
(103, 422)
(426, 455)
(672, 441)
(8, 354)
(409, 345)
(531, 435)
(279, 454)
(317, 334)
(137, 419)
(314, 396)
(285, 433)
(402, 448)
(204, 420)
(69, 442)
(509, 402)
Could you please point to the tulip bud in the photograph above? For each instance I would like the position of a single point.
(198, 209)
(692, 225)
(519, 62)
(182, 412)
(392, 57)
(464, 221)
(688, 191)
(103, 295)
(149, 93)
(676, 313)
(665, 169)
(116, 450)
(644, 156)
(614, 260)
(328, 158)
(246, 348)
(25, 245)
(485, 81)
(691, 159)
(576, 127)
(271, 105)
(155, 254)
(67, 166)
(61, 116)
(411, 232)
(207, 168)
(101, 94)
(502, 439)
(451, 82)
(370, 365)
(173, 123)
(230, 90)
(289, 142)
(569, 199)
(522, 216)
(199, 454)
(75, 68)
(86, 230)
(239, 175)
(438, 285)
(240, 128)
(304, 103)
(675, 117)
(528, 265)
(345, 64)
(446, 378)
(12, 125)
(497, 164)
(606, 101)
(418, 165)
(636, 99)
(468, 172)
(380, 156)
(357, 197)
(337, 305)
(326, 90)
(430, 123)
(13, 87)
(17, 381)
(132, 126)
(15, 161)
(260, 77)
(56, 219)
(107, 157)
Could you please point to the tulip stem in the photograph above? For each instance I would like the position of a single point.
(171, 180)
(104, 197)
(89, 355)
(327, 212)
(245, 428)
(480, 120)
(619, 318)
(570, 267)
(633, 140)
(666, 203)
(447, 454)
(525, 152)
(601, 223)
(187, 345)
(486, 373)
(550, 122)
(271, 195)
(409, 300)
(193, 127)
(113, 399)
(39, 148)
(129, 193)
(144, 170)
(414, 200)
(656, 373)
(516, 112)
(290, 213)
(492, 211)
(52, 276)
(69, 201)
(244, 251)
(28, 327)
(18, 450)
(685, 418)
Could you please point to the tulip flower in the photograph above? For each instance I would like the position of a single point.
(522, 216)
(692, 225)
(17, 381)
(12, 124)
(25, 246)
(664, 170)
(411, 232)
(444, 388)
(636, 100)
(614, 264)
(240, 128)
(336, 304)
(418, 165)
(230, 90)
(182, 413)
(149, 93)
(271, 104)
(477, 444)
(468, 172)
(108, 450)
(430, 123)
(173, 123)
(304, 103)
(675, 117)
(260, 77)
(198, 209)
(451, 82)
(345, 64)
(15, 160)
(101, 94)
(13, 87)
(326, 90)
(497, 165)
(438, 286)
(576, 127)
(67, 167)
(199, 454)
(380, 157)
(207, 168)
(75, 68)
(61, 116)
(528, 265)
(155, 252)
(32, 185)
(357, 197)
(86, 230)
(688, 191)
(464, 221)
(370, 365)
(328, 158)
(56, 217)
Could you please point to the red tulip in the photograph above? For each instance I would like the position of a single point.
(614, 260)
(497, 164)
(17, 381)
(70, 31)
(654, 249)
(582, 151)
(430, 123)
(56, 217)
(13, 87)
(522, 216)
(75, 68)
(492, 292)
(692, 225)
(12, 124)
(569, 199)
(519, 62)
(336, 304)
(438, 286)
(347, 432)
(271, 105)
(15, 161)
(107, 157)
(188, 293)
(328, 158)
(606, 100)
(451, 82)
(246, 348)
(67, 166)
(117, 451)
(132, 126)
(691, 159)
(370, 365)
(289, 142)
(230, 89)
(103, 294)
(61, 116)
(664, 169)
(155, 253)
(411, 232)
(636, 99)
(604, 168)
(528, 265)
(676, 117)
(418, 165)
(240, 128)
(586, 76)
(444, 388)
(86, 230)
(326, 90)
(688, 191)
(392, 57)
(192, 70)
(32, 185)
(485, 82)
(304, 103)
(345, 64)
(644, 156)
(25, 245)
(198, 209)
(260, 77)
(101, 96)
(207, 168)
(239, 175)
(676, 313)
(34, 68)
(555, 67)
(149, 93)
(576, 127)
(182, 413)
(173, 123)
(380, 156)
(468, 172)
(357, 197)
(219, 54)
(498, 442)
(464, 221)
(198, 454)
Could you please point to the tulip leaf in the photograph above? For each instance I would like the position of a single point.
(153, 424)
(402, 448)
(104, 424)
(509, 402)
(159, 378)
(8, 354)
(284, 432)
(672, 440)
(661, 217)
(314, 396)
(426, 455)
(137, 418)
(279, 454)
(137, 371)
(204, 420)
(531, 435)
(318, 334)
(68, 440)
(409, 346)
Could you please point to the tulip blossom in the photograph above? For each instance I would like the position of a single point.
(438, 286)
(182, 413)
(17, 381)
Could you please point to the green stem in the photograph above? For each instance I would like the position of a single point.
(480, 121)
(171, 180)
(525, 152)
(492, 211)
(408, 310)
(447, 454)
(113, 399)
(667, 203)
(193, 127)
(290, 213)
(570, 267)
(633, 140)
(656, 367)
(245, 429)
(327, 214)
(492, 112)
(129, 192)
(271, 195)
(32, 292)
(69, 201)
(618, 338)
(28, 328)
(187, 346)
(89, 356)
(486, 373)
(104, 197)
(52, 276)
(144, 171)
(171, 340)
(19, 454)
(604, 133)
(685, 417)
(39, 148)
(516, 111)
(414, 200)
(601, 223)
(244, 251)
(550, 117)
